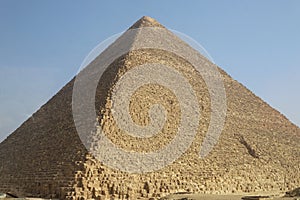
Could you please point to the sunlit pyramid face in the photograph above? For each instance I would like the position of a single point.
(147, 117)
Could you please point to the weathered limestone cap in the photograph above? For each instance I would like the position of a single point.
(146, 21)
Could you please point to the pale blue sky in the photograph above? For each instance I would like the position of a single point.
(42, 44)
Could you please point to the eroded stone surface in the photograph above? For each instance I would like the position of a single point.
(258, 149)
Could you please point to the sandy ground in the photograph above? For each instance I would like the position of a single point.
(217, 197)
(191, 197)
(273, 196)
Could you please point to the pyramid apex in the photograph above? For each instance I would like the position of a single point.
(146, 21)
(147, 18)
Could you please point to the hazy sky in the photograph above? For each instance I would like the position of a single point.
(42, 44)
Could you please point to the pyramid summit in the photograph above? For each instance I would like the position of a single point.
(258, 149)
(146, 21)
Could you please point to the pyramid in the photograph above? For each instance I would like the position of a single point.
(257, 150)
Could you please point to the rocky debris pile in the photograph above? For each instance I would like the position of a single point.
(293, 193)
(7, 195)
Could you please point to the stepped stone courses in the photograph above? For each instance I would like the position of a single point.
(257, 151)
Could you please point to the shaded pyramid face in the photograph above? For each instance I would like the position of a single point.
(59, 151)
